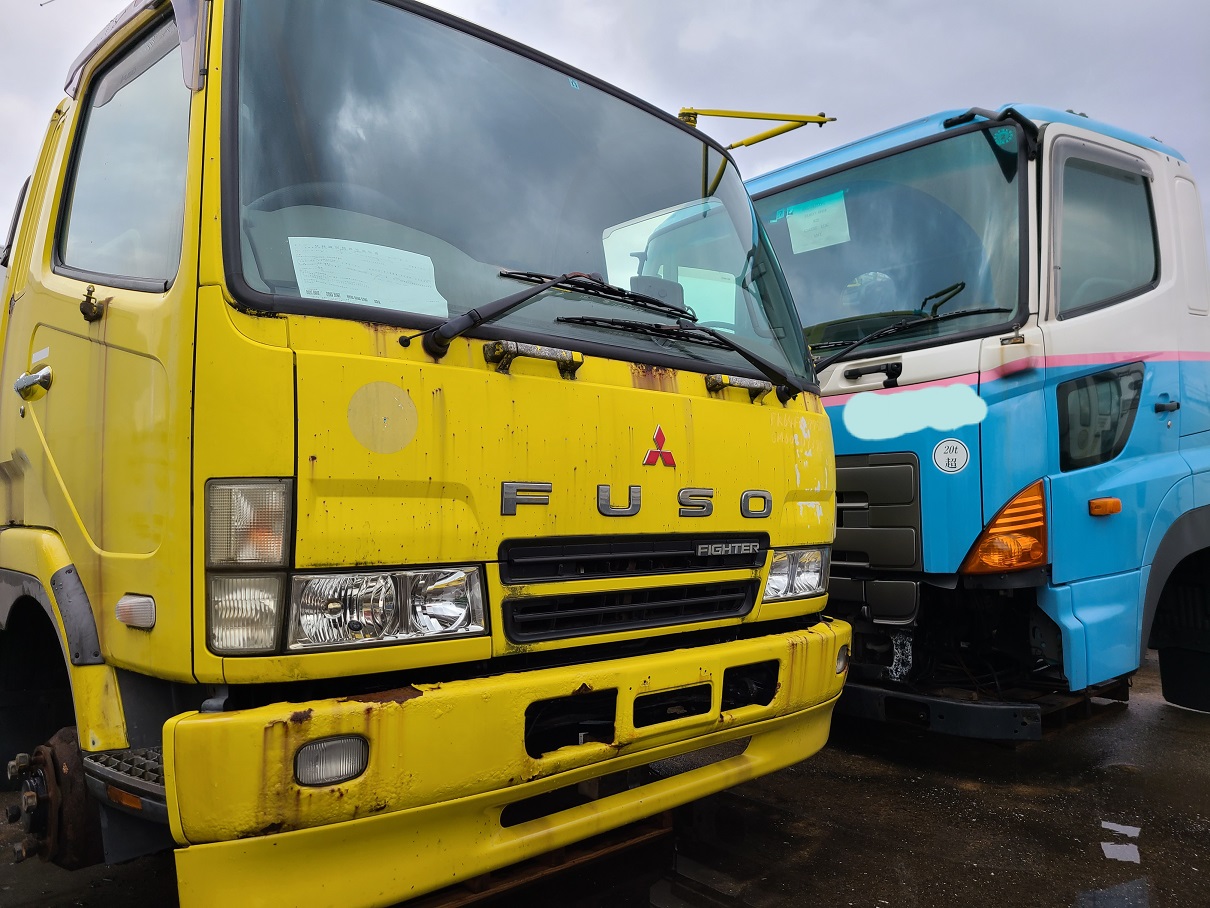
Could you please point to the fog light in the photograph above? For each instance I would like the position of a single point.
(842, 659)
(331, 761)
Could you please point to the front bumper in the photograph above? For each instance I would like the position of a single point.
(447, 760)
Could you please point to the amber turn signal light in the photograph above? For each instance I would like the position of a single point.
(1103, 507)
(1015, 539)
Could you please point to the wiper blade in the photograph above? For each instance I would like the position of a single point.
(787, 388)
(437, 340)
(901, 325)
(595, 285)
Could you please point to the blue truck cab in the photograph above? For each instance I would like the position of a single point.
(1010, 310)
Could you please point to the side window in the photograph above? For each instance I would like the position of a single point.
(124, 216)
(6, 251)
(1096, 414)
(1107, 242)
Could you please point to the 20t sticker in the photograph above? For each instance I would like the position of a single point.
(951, 456)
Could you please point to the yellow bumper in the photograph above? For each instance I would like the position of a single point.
(446, 760)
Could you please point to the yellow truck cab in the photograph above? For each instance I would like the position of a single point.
(408, 448)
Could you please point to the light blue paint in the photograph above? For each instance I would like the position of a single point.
(1055, 603)
(877, 417)
(1108, 608)
(925, 128)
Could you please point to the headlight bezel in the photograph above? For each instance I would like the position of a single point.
(789, 565)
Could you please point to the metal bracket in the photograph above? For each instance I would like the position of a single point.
(756, 389)
(502, 353)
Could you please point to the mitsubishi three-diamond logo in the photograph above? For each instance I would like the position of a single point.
(658, 454)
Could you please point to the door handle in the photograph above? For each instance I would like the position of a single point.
(892, 370)
(1170, 406)
(32, 385)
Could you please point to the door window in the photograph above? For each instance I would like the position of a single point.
(1107, 243)
(125, 213)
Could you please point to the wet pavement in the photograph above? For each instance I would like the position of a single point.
(1112, 811)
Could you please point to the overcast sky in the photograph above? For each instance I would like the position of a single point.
(870, 63)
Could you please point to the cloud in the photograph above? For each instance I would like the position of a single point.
(876, 417)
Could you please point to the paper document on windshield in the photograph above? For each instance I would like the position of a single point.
(344, 271)
(818, 223)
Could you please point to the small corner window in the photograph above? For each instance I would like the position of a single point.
(125, 211)
(1107, 241)
(6, 251)
(1096, 414)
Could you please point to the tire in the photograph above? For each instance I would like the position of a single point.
(1185, 677)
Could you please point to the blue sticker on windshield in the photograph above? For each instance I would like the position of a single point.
(1004, 136)
(574, 84)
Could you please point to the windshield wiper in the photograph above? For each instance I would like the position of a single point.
(901, 325)
(787, 388)
(594, 285)
(437, 340)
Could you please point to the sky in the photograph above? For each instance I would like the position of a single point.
(870, 63)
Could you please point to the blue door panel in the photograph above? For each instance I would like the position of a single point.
(1149, 466)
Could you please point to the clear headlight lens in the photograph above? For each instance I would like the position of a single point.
(244, 613)
(797, 574)
(247, 521)
(335, 610)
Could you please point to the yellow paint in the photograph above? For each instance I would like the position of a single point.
(382, 417)
(426, 742)
(396, 461)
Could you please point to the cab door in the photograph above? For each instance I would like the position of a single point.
(100, 337)
(1112, 380)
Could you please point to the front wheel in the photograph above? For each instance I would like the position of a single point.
(61, 822)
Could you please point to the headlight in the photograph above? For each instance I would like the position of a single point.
(247, 531)
(797, 574)
(244, 613)
(335, 610)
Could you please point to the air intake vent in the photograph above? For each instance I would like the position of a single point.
(577, 558)
(580, 614)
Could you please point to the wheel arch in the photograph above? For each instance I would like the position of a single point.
(1188, 535)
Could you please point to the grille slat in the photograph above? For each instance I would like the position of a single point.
(578, 614)
(584, 557)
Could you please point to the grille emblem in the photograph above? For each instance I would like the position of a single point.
(658, 454)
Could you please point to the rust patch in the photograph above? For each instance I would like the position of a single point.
(271, 829)
(301, 716)
(582, 689)
(399, 695)
(652, 378)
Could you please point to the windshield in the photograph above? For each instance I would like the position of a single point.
(934, 230)
(391, 166)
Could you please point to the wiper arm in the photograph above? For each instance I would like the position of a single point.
(437, 340)
(595, 285)
(787, 388)
(942, 297)
(901, 325)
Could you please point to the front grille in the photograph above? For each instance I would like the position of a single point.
(583, 557)
(877, 513)
(530, 619)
